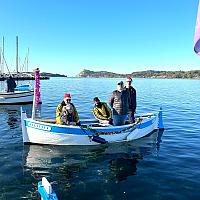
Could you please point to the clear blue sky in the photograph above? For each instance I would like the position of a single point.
(66, 36)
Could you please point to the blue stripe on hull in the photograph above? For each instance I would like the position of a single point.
(77, 130)
(146, 124)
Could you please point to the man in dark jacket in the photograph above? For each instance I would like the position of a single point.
(11, 85)
(131, 99)
(119, 104)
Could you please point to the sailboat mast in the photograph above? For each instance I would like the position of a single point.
(17, 54)
(27, 59)
(2, 58)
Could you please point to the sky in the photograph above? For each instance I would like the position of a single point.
(121, 36)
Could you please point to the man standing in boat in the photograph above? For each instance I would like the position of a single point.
(131, 99)
(66, 112)
(11, 85)
(119, 104)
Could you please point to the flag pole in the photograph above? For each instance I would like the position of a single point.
(36, 97)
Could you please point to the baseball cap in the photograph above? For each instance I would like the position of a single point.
(120, 83)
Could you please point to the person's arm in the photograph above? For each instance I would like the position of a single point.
(15, 85)
(8, 85)
(109, 110)
(135, 102)
(76, 117)
(58, 111)
(98, 114)
(111, 100)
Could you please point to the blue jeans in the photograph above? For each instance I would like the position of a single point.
(119, 120)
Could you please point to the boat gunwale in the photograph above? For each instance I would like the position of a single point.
(113, 128)
(16, 92)
(16, 103)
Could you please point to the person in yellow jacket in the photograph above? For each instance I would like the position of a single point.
(102, 112)
(66, 112)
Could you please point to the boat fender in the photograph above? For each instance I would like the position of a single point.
(98, 139)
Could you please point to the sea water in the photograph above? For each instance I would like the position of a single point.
(164, 165)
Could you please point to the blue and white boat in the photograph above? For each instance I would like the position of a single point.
(90, 132)
(46, 191)
(23, 94)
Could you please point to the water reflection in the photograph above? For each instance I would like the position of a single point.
(159, 139)
(121, 168)
(72, 167)
(11, 114)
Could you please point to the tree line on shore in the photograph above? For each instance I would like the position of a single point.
(193, 74)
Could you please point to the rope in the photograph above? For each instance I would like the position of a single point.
(114, 132)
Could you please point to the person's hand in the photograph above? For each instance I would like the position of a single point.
(110, 120)
(73, 123)
(78, 123)
(131, 113)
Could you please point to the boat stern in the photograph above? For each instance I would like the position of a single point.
(160, 120)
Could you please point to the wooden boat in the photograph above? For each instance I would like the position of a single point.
(90, 132)
(23, 94)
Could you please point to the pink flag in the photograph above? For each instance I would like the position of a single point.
(37, 87)
(197, 33)
(36, 99)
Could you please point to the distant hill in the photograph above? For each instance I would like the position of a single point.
(99, 74)
(52, 74)
(193, 74)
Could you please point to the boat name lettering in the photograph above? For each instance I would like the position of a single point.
(46, 128)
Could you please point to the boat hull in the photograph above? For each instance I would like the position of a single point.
(18, 97)
(38, 132)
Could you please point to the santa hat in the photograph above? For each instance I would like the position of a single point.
(129, 79)
(67, 96)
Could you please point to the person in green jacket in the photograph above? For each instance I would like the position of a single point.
(102, 112)
(66, 113)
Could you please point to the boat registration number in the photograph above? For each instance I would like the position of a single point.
(39, 126)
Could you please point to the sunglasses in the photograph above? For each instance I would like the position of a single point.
(67, 100)
(119, 83)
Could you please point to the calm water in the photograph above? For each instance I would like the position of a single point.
(165, 165)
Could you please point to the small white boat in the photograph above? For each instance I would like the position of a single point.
(90, 132)
(23, 94)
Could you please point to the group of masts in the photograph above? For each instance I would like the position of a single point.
(18, 68)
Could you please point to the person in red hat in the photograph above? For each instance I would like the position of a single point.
(66, 113)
